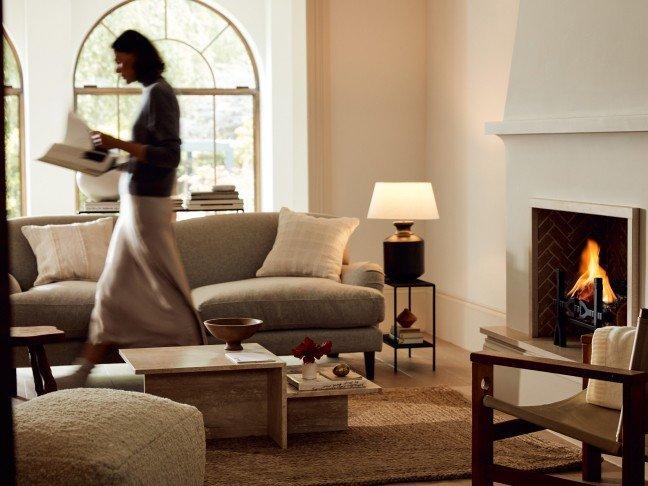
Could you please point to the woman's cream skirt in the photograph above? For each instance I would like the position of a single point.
(143, 297)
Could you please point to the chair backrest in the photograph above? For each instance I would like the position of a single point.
(639, 358)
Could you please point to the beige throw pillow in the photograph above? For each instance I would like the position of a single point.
(611, 346)
(307, 246)
(70, 251)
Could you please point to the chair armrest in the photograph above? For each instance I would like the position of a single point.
(363, 274)
(603, 373)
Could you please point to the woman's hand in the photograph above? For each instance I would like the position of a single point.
(104, 142)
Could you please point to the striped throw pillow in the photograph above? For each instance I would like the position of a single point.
(74, 251)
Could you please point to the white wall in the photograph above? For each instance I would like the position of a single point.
(579, 58)
(271, 26)
(377, 109)
(470, 44)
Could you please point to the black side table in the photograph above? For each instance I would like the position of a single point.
(388, 340)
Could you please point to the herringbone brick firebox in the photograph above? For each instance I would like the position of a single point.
(558, 238)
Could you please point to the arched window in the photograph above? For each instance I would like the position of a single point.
(209, 64)
(13, 131)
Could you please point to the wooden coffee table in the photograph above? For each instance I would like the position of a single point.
(236, 400)
(240, 400)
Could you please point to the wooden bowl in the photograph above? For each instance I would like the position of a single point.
(233, 330)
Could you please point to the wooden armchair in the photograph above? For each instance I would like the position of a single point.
(601, 430)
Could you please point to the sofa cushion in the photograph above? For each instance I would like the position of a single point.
(66, 305)
(292, 302)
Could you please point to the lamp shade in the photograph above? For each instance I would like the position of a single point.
(403, 201)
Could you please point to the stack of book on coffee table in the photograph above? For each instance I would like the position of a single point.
(221, 197)
(327, 380)
(407, 335)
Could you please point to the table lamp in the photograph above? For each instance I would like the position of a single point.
(403, 202)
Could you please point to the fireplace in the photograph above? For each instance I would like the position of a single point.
(584, 267)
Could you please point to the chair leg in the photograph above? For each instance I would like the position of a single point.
(370, 361)
(633, 434)
(591, 463)
(482, 425)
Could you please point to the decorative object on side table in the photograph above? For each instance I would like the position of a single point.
(408, 338)
(308, 351)
(403, 202)
(233, 330)
(406, 318)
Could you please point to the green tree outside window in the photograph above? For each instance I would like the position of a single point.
(12, 130)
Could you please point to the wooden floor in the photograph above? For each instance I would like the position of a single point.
(453, 370)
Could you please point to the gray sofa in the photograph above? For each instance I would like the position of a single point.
(221, 255)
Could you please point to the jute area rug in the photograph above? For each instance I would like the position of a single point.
(420, 434)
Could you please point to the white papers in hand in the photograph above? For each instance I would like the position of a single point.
(77, 133)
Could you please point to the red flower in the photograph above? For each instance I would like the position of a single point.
(309, 351)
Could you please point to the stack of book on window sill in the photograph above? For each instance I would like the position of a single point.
(407, 335)
(326, 380)
(113, 206)
(221, 197)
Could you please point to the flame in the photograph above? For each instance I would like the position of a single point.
(590, 269)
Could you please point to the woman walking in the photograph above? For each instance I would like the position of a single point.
(143, 297)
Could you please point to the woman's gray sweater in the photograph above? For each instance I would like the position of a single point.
(158, 127)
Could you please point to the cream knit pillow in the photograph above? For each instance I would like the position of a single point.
(307, 246)
(74, 251)
(611, 346)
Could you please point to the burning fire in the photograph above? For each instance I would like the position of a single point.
(590, 269)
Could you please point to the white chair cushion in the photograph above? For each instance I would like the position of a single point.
(611, 346)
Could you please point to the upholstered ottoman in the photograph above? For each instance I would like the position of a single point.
(108, 437)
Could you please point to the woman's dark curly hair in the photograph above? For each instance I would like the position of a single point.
(148, 63)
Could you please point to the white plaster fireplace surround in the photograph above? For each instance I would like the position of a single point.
(575, 126)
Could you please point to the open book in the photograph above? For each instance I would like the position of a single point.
(77, 151)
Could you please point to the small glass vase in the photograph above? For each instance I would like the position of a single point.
(309, 371)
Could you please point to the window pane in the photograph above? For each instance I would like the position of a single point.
(230, 62)
(193, 23)
(12, 155)
(144, 16)
(235, 145)
(129, 107)
(96, 64)
(196, 171)
(185, 67)
(11, 71)
(99, 112)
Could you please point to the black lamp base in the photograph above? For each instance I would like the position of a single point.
(404, 253)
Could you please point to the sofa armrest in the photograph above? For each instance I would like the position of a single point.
(364, 274)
